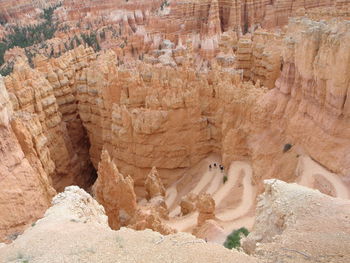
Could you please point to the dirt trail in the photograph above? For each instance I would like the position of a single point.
(248, 196)
(309, 171)
(202, 179)
(172, 194)
(212, 182)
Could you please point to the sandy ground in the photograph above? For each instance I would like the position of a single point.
(312, 174)
(234, 211)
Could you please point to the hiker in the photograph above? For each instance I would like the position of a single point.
(214, 164)
(209, 166)
(221, 168)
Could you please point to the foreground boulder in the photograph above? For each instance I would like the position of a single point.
(298, 224)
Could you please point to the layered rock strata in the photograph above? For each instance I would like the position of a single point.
(313, 89)
(26, 188)
(32, 93)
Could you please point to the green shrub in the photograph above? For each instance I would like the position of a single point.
(224, 179)
(164, 4)
(21, 258)
(287, 147)
(6, 70)
(91, 41)
(234, 239)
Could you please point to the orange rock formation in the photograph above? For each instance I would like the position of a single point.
(154, 185)
(206, 207)
(115, 192)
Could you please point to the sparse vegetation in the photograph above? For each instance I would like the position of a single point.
(30, 57)
(13, 236)
(119, 241)
(2, 21)
(91, 41)
(234, 239)
(21, 258)
(6, 70)
(103, 35)
(287, 147)
(27, 36)
(164, 4)
(224, 179)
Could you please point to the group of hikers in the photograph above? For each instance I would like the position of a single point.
(215, 165)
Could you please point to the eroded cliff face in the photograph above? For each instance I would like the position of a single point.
(312, 91)
(149, 120)
(65, 155)
(45, 145)
(26, 188)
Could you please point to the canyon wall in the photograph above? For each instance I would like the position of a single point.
(307, 107)
(52, 103)
(26, 189)
(311, 95)
(39, 151)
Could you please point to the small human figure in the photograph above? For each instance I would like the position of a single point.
(215, 165)
(209, 166)
(221, 168)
